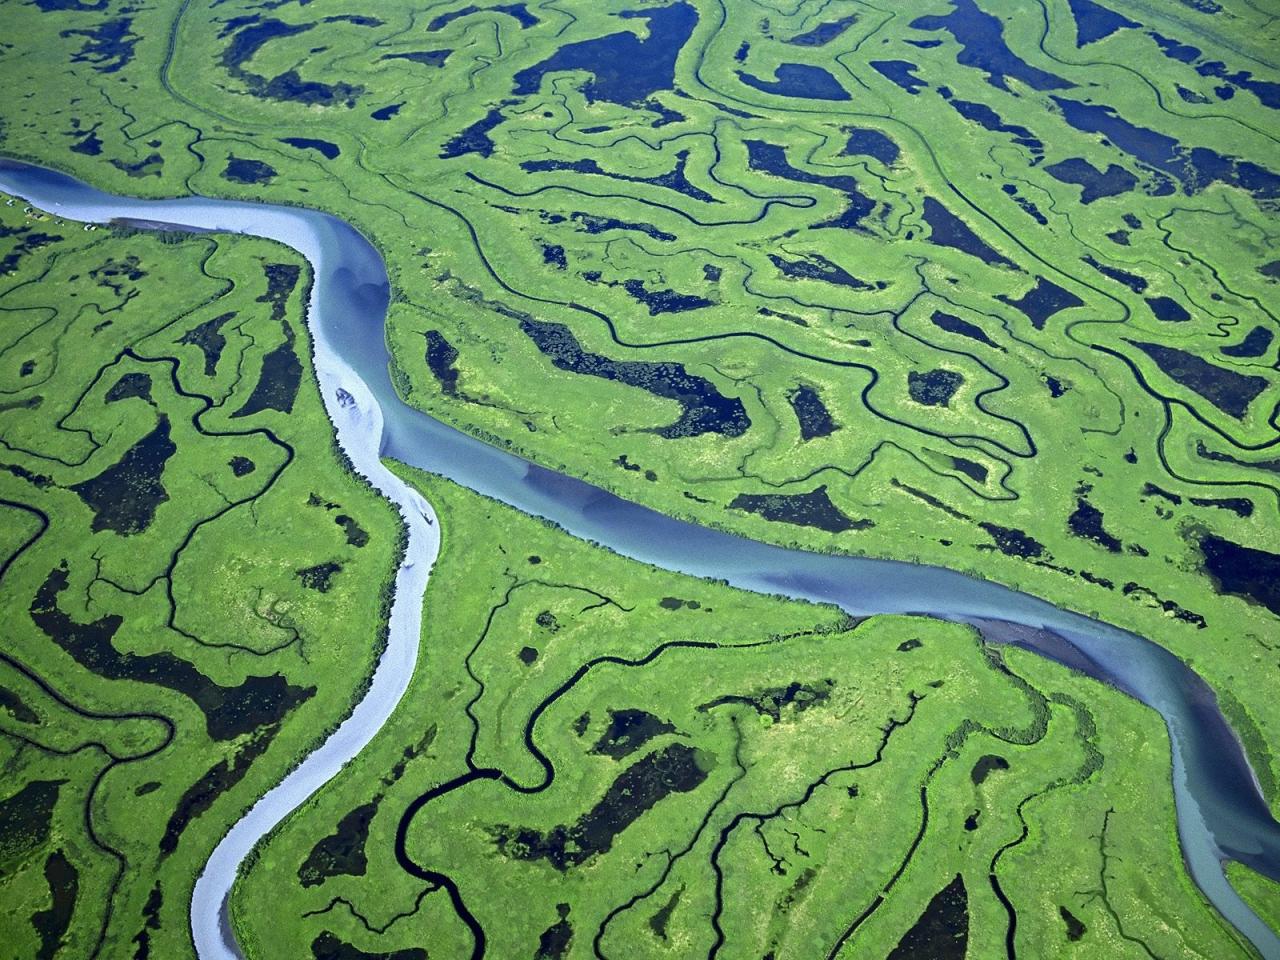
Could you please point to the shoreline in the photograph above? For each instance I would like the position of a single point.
(1205, 747)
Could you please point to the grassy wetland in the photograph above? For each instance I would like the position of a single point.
(984, 285)
(193, 582)
(596, 757)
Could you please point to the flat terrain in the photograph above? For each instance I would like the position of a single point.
(192, 582)
(596, 757)
(985, 285)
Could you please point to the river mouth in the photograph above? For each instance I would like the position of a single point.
(1221, 813)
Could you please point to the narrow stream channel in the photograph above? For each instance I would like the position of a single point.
(1221, 812)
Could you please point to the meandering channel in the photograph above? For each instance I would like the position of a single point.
(1221, 812)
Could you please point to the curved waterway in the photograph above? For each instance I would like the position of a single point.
(1221, 812)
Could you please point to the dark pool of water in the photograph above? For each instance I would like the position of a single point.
(1221, 812)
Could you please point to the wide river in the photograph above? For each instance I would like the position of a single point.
(1221, 812)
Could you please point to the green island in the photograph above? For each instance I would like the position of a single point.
(968, 283)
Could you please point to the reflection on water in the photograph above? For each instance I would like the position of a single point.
(1221, 812)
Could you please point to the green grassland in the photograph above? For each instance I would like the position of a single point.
(192, 582)
(694, 283)
(703, 281)
(1258, 891)
(598, 755)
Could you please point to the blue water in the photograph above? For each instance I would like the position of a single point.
(1221, 813)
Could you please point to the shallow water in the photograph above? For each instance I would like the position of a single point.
(1221, 812)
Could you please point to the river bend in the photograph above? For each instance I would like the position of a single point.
(1221, 812)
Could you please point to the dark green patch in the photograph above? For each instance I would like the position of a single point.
(1227, 390)
(812, 509)
(933, 388)
(26, 818)
(278, 383)
(124, 497)
(1075, 928)
(942, 932)
(986, 764)
(628, 731)
(1042, 301)
(817, 267)
(659, 921)
(148, 166)
(16, 707)
(704, 409)
(1095, 184)
(241, 466)
(441, 356)
(27, 241)
(129, 386)
(229, 711)
(1243, 571)
(64, 886)
(555, 940)
(342, 852)
(811, 413)
(1168, 606)
(1013, 542)
(948, 230)
(240, 170)
(1255, 343)
(771, 701)
(1151, 490)
(108, 47)
(328, 947)
(253, 33)
(963, 328)
(150, 922)
(208, 337)
(326, 149)
(970, 468)
(356, 535)
(112, 273)
(320, 577)
(664, 300)
(1086, 522)
(215, 781)
(824, 33)
(676, 768)
(282, 279)
(1240, 506)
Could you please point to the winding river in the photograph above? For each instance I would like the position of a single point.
(1221, 813)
